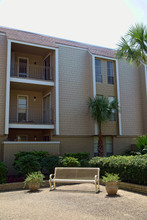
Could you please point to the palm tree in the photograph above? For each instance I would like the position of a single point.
(101, 110)
(133, 46)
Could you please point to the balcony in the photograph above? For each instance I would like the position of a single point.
(30, 110)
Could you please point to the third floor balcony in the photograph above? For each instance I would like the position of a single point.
(32, 65)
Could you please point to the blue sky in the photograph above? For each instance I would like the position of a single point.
(98, 22)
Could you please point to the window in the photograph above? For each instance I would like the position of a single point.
(22, 138)
(95, 146)
(113, 116)
(22, 108)
(98, 71)
(23, 67)
(109, 146)
(110, 72)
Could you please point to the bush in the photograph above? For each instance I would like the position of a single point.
(79, 156)
(83, 158)
(49, 163)
(26, 163)
(129, 153)
(70, 162)
(141, 143)
(132, 169)
(3, 172)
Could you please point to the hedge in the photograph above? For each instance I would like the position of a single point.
(131, 169)
(27, 162)
(3, 172)
(79, 156)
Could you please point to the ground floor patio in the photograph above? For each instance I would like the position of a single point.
(76, 202)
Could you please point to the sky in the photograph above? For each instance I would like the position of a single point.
(97, 22)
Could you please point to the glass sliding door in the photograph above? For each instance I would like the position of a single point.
(47, 109)
(47, 72)
(22, 108)
(23, 67)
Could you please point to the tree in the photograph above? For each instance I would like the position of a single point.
(133, 46)
(101, 110)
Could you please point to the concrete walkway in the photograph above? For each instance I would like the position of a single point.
(69, 202)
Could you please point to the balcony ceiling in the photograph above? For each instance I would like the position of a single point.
(30, 49)
(29, 87)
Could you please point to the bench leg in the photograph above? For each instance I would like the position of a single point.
(50, 183)
(97, 187)
(54, 185)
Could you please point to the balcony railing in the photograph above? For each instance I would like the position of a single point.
(34, 122)
(32, 72)
(25, 118)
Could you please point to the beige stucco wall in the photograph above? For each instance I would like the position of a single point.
(130, 99)
(143, 97)
(3, 58)
(74, 90)
(10, 149)
(2, 138)
(121, 144)
(75, 144)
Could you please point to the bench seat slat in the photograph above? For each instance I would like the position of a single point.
(72, 181)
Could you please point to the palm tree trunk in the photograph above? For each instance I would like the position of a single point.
(100, 144)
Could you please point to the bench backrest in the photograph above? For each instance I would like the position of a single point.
(76, 173)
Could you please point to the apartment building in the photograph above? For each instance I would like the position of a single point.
(45, 83)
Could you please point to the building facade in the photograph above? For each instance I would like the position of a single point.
(45, 83)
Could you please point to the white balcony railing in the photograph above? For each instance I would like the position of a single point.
(32, 72)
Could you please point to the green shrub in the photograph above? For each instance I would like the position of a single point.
(79, 156)
(129, 153)
(132, 169)
(70, 162)
(141, 143)
(3, 172)
(49, 163)
(26, 164)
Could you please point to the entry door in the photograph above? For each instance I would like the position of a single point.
(46, 109)
(47, 68)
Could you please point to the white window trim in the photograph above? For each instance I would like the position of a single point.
(27, 66)
(27, 105)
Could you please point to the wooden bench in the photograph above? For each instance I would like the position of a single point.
(75, 175)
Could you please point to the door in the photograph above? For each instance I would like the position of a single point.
(46, 109)
(47, 73)
(23, 67)
(22, 108)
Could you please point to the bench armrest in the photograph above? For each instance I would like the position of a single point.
(96, 178)
(51, 176)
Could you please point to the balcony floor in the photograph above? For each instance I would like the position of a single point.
(30, 84)
(31, 126)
